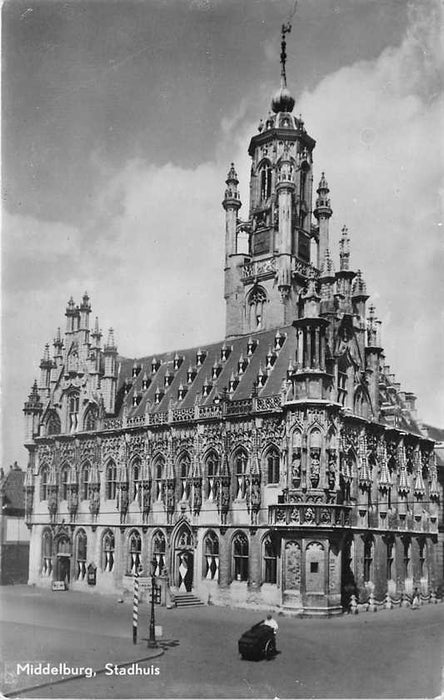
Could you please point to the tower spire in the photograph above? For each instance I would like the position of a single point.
(283, 100)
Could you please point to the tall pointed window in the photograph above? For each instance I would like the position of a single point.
(84, 482)
(135, 552)
(73, 411)
(272, 462)
(256, 308)
(108, 547)
(407, 559)
(270, 560)
(64, 483)
(211, 556)
(185, 476)
(44, 475)
(159, 549)
(240, 557)
(111, 481)
(265, 181)
(81, 543)
(211, 467)
(135, 479)
(240, 473)
(368, 558)
(390, 558)
(159, 476)
(46, 553)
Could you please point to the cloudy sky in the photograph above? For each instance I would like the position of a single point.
(120, 120)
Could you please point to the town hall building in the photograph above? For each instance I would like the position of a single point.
(282, 467)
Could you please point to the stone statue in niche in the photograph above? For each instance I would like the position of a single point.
(296, 469)
(197, 495)
(94, 500)
(315, 462)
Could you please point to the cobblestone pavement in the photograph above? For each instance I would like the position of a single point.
(389, 654)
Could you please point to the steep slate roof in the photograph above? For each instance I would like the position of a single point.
(434, 433)
(13, 497)
(236, 347)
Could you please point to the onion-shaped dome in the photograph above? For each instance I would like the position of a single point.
(283, 101)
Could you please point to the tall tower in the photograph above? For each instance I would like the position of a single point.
(263, 284)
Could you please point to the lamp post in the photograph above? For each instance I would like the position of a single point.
(152, 644)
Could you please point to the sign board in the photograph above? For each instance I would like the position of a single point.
(158, 629)
(157, 595)
(91, 575)
(58, 586)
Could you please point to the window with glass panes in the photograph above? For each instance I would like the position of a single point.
(211, 556)
(108, 548)
(111, 481)
(240, 472)
(240, 557)
(135, 552)
(211, 468)
(81, 542)
(270, 560)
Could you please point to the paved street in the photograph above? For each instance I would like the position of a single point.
(389, 654)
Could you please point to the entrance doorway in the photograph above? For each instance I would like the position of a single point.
(184, 559)
(63, 559)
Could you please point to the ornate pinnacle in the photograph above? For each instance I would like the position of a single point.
(344, 249)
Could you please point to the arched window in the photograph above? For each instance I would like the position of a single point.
(368, 558)
(136, 473)
(108, 548)
(211, 556)
(53, 425)
(46, 553)
(81, 543)
(84, 482)
(211, 470)
(240, 473)
(111, 481)
(265, 181)
(135, 552)
(159, 548)
(90, 421)
(159, 476)
(240, 557)
(184, 475)
(64, 483)
(256, 308)
(73, 411)
(270, 560)
(272, 462)
(44, 475)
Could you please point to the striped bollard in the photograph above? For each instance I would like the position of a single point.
(136, 605)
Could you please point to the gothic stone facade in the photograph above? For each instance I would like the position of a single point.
(281, 467)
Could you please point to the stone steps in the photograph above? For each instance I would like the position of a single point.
(185, 600)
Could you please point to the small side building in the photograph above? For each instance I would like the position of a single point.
(14, 535)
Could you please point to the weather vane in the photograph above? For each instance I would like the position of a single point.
(286, 29)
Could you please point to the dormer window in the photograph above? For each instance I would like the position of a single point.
(177, 362)
(200, 357)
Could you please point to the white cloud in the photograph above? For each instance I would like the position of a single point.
(152, 257)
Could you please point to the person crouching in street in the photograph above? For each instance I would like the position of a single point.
(271, 622)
